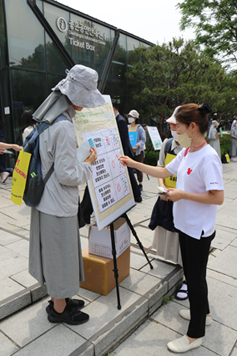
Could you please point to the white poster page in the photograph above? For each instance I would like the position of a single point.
(155, 137)
(110, 188)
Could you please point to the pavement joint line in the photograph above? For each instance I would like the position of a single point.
(83, 347)
(9, 216)
(8, 337)
(225, 227)
(223, 274)
(138, 224)
(11, 278)
(15, 233)
(146, 249)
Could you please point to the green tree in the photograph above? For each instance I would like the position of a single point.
(215, 24)
(176, 73)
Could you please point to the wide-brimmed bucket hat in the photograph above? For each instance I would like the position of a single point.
(80, 86)
(172, 119)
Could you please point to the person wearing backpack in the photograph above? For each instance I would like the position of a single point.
(55, 249)
(166, 239)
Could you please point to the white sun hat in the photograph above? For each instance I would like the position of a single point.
(133, 113)
(172, 119)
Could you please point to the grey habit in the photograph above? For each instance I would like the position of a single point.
(233, 143)
(55, 249)
(215, 142)
(55, 253)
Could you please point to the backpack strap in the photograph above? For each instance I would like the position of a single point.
(50, 171)
(168, 146)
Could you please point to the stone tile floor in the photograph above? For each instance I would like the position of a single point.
(25, 330)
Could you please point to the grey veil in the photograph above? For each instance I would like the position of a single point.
(53, 106)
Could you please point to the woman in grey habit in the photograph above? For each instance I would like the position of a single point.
(214, 137)
(55, 248)
(233, 143)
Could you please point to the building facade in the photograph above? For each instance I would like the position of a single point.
(40, 39)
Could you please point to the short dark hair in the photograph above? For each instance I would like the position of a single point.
(27, 120)
(115, 104)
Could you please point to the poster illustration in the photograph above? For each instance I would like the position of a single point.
(109, 187)
(155, 137)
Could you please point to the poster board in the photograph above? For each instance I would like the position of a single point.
(133, 138)
(110, 188)
(155, 137)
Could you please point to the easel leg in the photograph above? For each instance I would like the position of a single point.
(136, 237)
(115, 263)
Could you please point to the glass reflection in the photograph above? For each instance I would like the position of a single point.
(24, 84)
(58, 20)
(131, 45)
(90, 42)
(25, 36)
(56, 63)
(3, 54)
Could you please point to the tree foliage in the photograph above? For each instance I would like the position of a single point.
(215, 24)
(178, 72)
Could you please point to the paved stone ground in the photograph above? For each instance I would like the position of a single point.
(25, 330)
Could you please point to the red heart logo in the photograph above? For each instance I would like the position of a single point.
(189, 171)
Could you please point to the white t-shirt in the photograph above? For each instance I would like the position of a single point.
(197, 172)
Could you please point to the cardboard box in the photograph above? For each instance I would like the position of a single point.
(98, 271)
(100, 241)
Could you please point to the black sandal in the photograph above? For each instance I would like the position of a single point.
(182, 293)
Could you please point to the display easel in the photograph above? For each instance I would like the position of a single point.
(114, 253)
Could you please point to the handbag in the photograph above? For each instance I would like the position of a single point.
(162, 215)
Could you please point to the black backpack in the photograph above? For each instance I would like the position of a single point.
(35, 183)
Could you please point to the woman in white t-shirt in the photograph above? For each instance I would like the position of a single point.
(199, 189)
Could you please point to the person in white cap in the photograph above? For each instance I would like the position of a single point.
(214, 137)
(139, 147)
(55, 249)
(166, 240)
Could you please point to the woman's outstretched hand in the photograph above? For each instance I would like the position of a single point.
(126, 161)
(16, 147)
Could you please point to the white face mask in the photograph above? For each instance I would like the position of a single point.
(174, 134)
(184, 140)
(130, 119)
